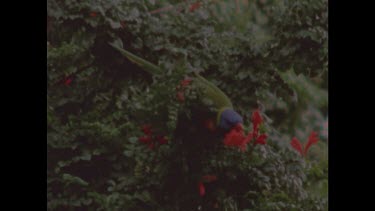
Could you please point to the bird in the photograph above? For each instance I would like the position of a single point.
(226, 117)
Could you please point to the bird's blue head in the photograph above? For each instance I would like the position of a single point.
(229, 118)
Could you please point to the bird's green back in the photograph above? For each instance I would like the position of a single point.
(218, 98)
(146, 65)
(212, 92)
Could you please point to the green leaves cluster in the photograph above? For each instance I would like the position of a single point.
(271, 54)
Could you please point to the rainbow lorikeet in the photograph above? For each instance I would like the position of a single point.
(226, 118)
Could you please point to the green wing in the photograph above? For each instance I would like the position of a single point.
(213, 93)
(219, 99)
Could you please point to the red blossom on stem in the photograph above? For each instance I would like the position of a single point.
(68, 81)
(93, 14)
(257, 120)
(261, 139)
(184, 83)
(150, 139)
(194, 6)
(180, 96)
(147, 129)
(236, 137)
(205, 179)
(201, 189)
(296, 144)
(145, 139)
(313, 139)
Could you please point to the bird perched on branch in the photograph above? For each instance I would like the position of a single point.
(225, 116)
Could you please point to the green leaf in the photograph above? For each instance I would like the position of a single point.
(74, 179)
(128, 153)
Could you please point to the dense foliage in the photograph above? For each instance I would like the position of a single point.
(269, 55)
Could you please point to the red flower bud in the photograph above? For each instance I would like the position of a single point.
(256, 118)
(261, 139)
(180, 96)
(296, 144)
(194, 6)
(237, 138)
(313, 139)
(185, 82)
(93, 14)
(68, 81)
(147, 129)
(201, 188)
(145, 139)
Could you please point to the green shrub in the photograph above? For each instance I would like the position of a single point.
(270, 55)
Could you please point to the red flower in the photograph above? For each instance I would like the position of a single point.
(256, 118)
(184, 83)
(201, 188)
(180, 96)
(147, 129)
(205, 179)
(68, 81)
(237, 138)
(145, 139)
(93, 14)
(296, 144)
(194, 6)
(150, 139)
(238, 127)
(313, 139)
(261, 139)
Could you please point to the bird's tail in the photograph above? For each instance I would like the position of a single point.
(147, 66)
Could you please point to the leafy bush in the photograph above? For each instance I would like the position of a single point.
(270, 55)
